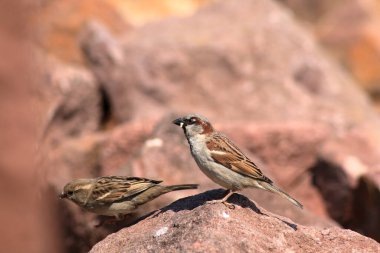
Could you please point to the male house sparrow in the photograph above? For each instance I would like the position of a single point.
(222, 161)
(116, 195)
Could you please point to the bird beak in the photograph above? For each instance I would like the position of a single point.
(180, 122)
(62, 195)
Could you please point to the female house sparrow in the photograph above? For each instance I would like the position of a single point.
(116, 195)
(222, 161)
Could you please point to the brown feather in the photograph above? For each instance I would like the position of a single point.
(224, 152)
(117, 188)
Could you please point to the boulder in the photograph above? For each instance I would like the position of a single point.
(191, 225)
(366, 206)
(357, 48)
(74, 101)
(224, 57)
(60, 23)
(346, 175)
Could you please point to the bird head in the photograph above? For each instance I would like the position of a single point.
(194, 124)
(77, 190)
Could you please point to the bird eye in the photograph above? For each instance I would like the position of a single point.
(70, 193)
(193, 120)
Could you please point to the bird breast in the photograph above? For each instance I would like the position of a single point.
(215, 171)
(199, 150)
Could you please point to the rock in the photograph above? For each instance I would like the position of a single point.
(60, 23)
(75, 158)
(335, 188)
(365, 209)
(357, 48)
(346, 169)
(190, 225)
(141, 12)
(75, 101)
(312, 11)
(105, 58)
(122, 144)
(179, 63)
(27, 216)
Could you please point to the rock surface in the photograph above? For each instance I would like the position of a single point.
(357, 48)
(191, 225)
(74, 101)
(60, 23)
(346, 174)
(28, 222)
(182, 63)
(366, 206)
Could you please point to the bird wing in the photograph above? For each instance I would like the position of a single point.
(116, 188)
(224, 152)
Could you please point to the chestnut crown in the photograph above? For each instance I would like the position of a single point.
(194, 124)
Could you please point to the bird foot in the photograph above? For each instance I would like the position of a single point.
(228, 205)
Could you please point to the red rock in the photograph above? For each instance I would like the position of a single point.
(75, 158)
(60, 22)
(101, 49)
(141, 12)
(366, 207)
(343, 161)
(357, 48)
(216, 61)
(190, 225)
(122, 144)
(75, 102)
(27, 217)
(347, 166)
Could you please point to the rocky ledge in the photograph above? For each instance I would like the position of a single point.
(192, 225)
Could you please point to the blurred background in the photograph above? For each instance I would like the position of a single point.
(90, 87)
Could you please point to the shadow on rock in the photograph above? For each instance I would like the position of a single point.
(192, 202)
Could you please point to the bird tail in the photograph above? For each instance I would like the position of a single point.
(275, 189)
(158, 190)
(181, 187)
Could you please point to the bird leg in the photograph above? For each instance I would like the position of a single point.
(224, 200)
(111, 221)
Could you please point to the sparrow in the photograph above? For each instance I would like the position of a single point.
(222, 161)
(116, 195)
